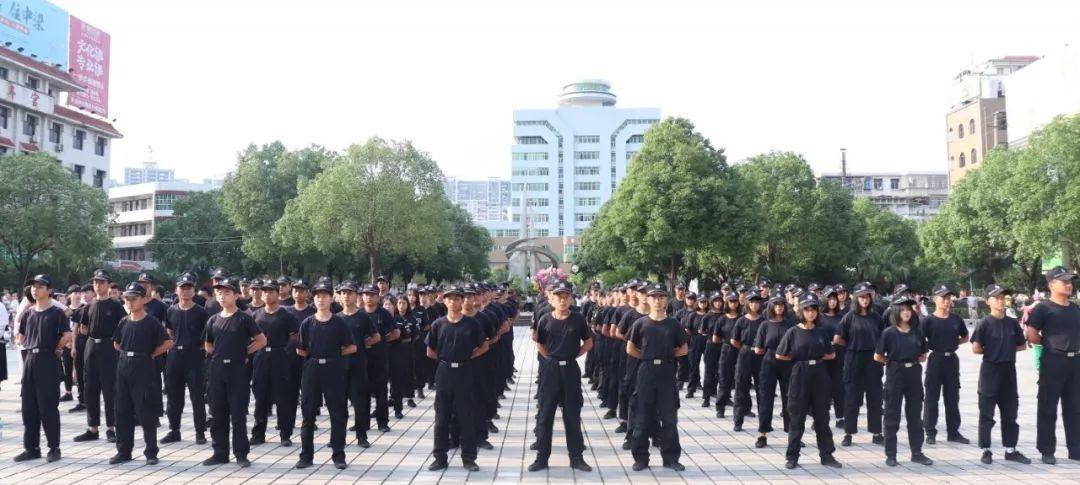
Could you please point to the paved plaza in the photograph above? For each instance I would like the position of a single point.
(712, 453)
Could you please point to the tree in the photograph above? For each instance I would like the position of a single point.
(199, 237)
(679, 196)
(381, 197)
(462, 255)
(892, 246)
(49, 219)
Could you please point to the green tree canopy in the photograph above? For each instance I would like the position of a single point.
(199, 237)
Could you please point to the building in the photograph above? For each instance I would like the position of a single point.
(566, 162)
(528, 262)
(484, 200)
(136, 211)
(914, 195)
(1047, 88)
(976, 120)
(33, 118)
(149, 172)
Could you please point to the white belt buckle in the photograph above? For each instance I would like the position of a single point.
(97, 340)
(131, 354)
(179, 347)
(34, 351)
(908, 364)
(226, 361)
(1070, 354)
(267, 349)
(322, 361)
(454, 365)
(812, 362)
(657, 361)
(562, 362)
(948, 354)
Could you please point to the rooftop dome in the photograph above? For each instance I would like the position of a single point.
(587, 92)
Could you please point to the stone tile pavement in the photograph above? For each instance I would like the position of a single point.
(712, 453)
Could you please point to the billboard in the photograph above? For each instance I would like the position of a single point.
(38, 27)
(89, 51)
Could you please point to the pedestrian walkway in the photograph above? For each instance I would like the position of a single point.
(712, 453)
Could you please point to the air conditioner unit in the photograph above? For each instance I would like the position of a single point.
(59, 147)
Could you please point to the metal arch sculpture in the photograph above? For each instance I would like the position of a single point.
(520, 246)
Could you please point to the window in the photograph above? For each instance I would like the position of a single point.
(866, 183)
(99, 147)
(971, 129)
(531, 140)
(30, 127)
(530, 156)
(586, 170)
(587, 139)
(531, 187)
(80, 137)
(3, 73)
(587, 201)
(99, 178)
(537, 202)
(585, 217)
(78, 171)
(960, 130)
(630, 155)
(586, 185)
(636, 139)
(55, 132)
(974, 157)
(529, 172)
(4, 114)
(33, 82)
(543, 232)
(877, 184)
(963, 161)
(894, 184)
(507, 233)
(164, 202)
(586, 155)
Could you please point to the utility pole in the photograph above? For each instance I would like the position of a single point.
(843, 168)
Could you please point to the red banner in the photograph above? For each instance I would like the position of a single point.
(89, 52)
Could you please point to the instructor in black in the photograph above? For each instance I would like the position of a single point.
(185, 363)
(561, 337)
(1055, 323)
(944, 333)
(271, 368)
(100, 319)
(231, 335)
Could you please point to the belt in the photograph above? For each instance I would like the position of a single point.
(97, 340)
(271, 349)
(904, 364)
(812, 362)
(453, 365)
(1066, 353)
(34, 350)
(946, 354)
(228, 361)
(134, 354)
(323, 361)
(659, 361)
(179, 347)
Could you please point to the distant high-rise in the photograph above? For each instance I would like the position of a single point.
(484, 200)
(566, 162)
(148, 173)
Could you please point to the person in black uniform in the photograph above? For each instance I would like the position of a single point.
(711, 356)
(901, 348)
(78, 348)
(944, 333)
(627, 396)
(748, 363)
(692, 322)
(139, 338)
(721, 335)
(231, 335)
(483, 405)
(997, 337)
(271, 373)
(399, 357)
(774, 372)
(809, 346)
(377, 359)
(324, 340)
(859, 333)
(829, 319)
(157, 309)
(100, 320)
(1055, 324)
(44, 331)
(656, 340)
(74, 304)
(184, 365)
(454, 341)
(561, 338)
(365, 336)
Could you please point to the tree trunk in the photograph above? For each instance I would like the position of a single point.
(373, 260)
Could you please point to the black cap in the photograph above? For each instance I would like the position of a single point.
(797, 292)
(690, 295)
(350, 285)
(381, 278)
(657, 289)
(245, 282)
(753, 295)
(186, 279)
(1059, 273)
(595, 285)
(777, 297)
(268, 284)
(900, 288)
(680, 286)
(943, 290)
(145, 278)
(324, 285)
(300, 284)
(995, 290)
(473, 289)
(863, 289)
(86, 288)
(369, 289)
(809, 300)
(643, 287)
(716, 295)
(283, 280)
(43, 279)
(813, 287)
(219, 274)
(134, 289)
(453, 290)
(732, 296)
(229, 283)
(562, 287)
(829, 291)
(256, 284)
(73, 288)
(839, 288)
(903, 300)
(102, 275)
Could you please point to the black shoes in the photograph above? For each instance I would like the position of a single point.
(118, 458)
(411, 403)
(243, 461)
(640, 465)
(340, 464)
(1049, 460)
(54, 455)
(78, 408)
(931, 439)
(200, 439)
(215, 460)
(437, 465)
(1017, 457)
(537, 466)
(675, 466)
(492, 428)
(580, 465)
(689, 394)
(621, 428)
(626, 445)
(286, 442)
(363, 442)
(485, 445)
(959, 438)
(534, 446)
(384, 428)
(706, 403)
(398, 415)
(110, 436)
(87, 436)
(891, 461)
(846, 441)
(303, 463)
(170, 437)
(151, 460)
(761, 442)
(921, 459)
(27, 455)
(831, 462)
(419, 394)
(610, 414)
(470, 465)
(791, 464)
(256, 440)
(66, 397)
(839, 423)
(987, 458)
(737, 428)
(720, 413)
(878, 439)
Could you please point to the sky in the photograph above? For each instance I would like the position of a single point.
(200, 80)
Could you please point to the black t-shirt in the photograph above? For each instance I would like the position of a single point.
(831, 323)
(724, 328)
(770, 332)
(277, 326)
(301, 315)
(861, 332)
(324, 340)
(213, 307)
(746, 330)
(102, 317)
(542, 309)
(43, 329)
(1060, 325)
(157, 309)
(231, 335)
(455, 342)
(627, 321)
(805, 344)
(361, 327)
(487, 322)
(383, 322)
(142, 336)
(287, 302)
(943, 334)
(187, 326)
(999, 338)
(657, 339)
(563, 338)
(692, 322)
(900, 346)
